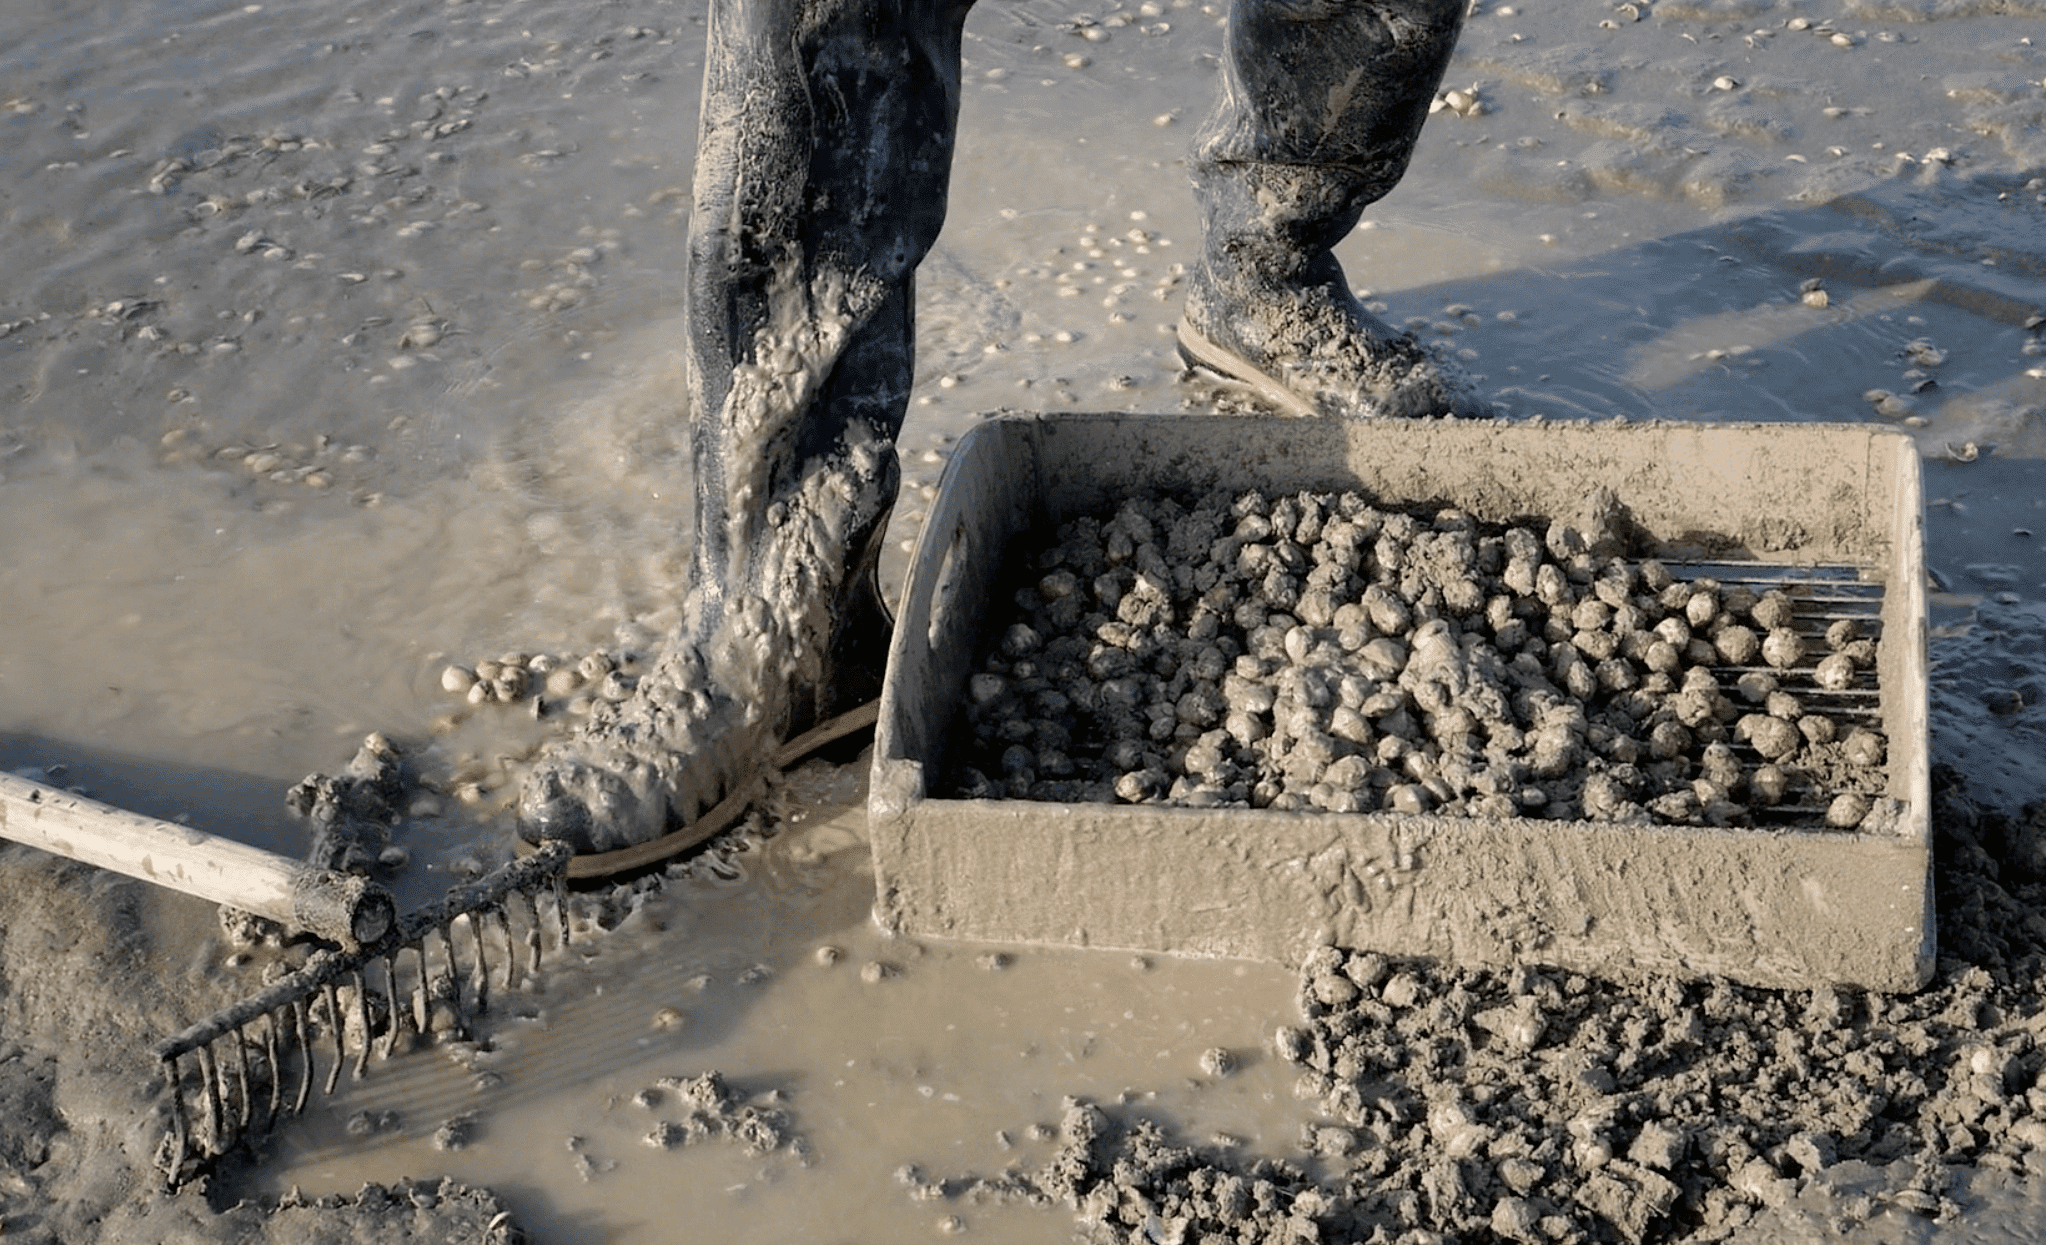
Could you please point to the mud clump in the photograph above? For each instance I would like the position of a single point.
(1540, 1105)
(704, 1108)
(1315, 651)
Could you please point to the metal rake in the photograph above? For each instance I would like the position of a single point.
(227, 1075)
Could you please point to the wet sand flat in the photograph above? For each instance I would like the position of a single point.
(340, 346)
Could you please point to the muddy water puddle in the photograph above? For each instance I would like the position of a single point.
(881, 1052)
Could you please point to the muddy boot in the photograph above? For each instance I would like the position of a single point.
(1269, 308)
(1321, 107)
(804, 640)
(825, 149)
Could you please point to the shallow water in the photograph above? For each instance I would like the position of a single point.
(923, 1060)
(381, 374)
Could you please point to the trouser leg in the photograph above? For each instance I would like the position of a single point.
(821, 184)
(1342, 85)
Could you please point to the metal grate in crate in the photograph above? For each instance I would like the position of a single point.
(1820, 595)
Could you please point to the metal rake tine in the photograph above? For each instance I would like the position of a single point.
(276, 1069)
(447, 940)
(363, 1017)
(512, 973)
(482, 962)
(245, 1107)
(511, 950)
(422, 1010)
(211, 1086)
(532, 913)
(390, 961)
(561, 906)
(494, 919)
(181, 1129)
(427, 989)
(305, 1054)
(340, 1038)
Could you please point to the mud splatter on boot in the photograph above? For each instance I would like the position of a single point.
(1269, 307)
(784, 626)
(1319, 111)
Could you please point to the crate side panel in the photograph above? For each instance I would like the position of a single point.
(987, 495)
(1781, 492)
(1768, 910)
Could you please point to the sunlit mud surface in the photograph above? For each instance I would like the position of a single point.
(339, 344)
(884, 1053)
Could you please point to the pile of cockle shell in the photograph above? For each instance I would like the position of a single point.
(542, 679)
(1313, 651)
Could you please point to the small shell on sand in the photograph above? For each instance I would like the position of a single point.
(457, 679)
(511, 682)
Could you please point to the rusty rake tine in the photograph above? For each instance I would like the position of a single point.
(561, 906)
(362, 1017)
(303, 1041)
(340, 1036)
(276, 1069)
(211, 1087)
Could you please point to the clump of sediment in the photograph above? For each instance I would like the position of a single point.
(1316, 651)
(704, 1108)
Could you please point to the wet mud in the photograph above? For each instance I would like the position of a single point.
(341, 349)
(1536, 1105)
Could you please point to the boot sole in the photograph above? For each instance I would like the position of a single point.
(727, 811)
(1197, 350)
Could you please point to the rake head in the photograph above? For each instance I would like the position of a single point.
(233, 1076)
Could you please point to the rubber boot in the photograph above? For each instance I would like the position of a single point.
(823, 158)
(1322, 104)
(1269, 307)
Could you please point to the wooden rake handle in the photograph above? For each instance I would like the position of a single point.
(336, 906)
